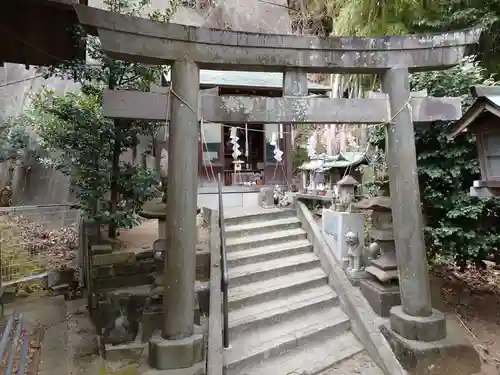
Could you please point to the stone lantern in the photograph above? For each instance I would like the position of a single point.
(382, 288)
(346, 192)
(483, 119)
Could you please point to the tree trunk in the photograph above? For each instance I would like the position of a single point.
(115, 174)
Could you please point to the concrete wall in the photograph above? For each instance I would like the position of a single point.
(39, 185)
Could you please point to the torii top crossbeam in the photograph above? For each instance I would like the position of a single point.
(142, 40)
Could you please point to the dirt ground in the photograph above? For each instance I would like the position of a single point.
(473, 298)
(143, 236)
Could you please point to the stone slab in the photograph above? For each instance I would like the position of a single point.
(266, 110)
(452, 355)
(382, 275)
(142, 40)
(380, 297)
(101, 249)
(421, 328)
(175, 354)
(129, 351)
(111, 258)
(386, 262)
(197, 369)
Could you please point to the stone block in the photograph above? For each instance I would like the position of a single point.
(101, 249)
(103, 271)
(144, 266)
(380, 297)
(197, 369)
(146, 254)
(130, 351)
(175, 354)
(113, 258)
(452, 355)
(122, 282)
(428, 328)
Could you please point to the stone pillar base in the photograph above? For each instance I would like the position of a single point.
(380, 297)
(427, 328)
(175, 354)
(198, 369)
(452, 355)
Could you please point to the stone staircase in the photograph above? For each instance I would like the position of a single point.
(284, 318)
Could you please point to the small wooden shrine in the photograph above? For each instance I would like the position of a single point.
(483, 119)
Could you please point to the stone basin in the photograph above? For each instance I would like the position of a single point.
(155, 209)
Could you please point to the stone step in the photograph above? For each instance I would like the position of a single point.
(312, 359)
(272, 268)
(260, 216)
(282, 286)
(275, 340)
(260, 254)
(252, 228)
(265, 239)
(253, 316)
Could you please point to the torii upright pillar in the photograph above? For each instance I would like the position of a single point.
(179, 346)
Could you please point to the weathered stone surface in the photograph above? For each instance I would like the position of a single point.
(405, 197)
(380, 297)
(101, 249)
(175, 354)
(122, 282)
(452, 355)
(263, 110)
(142, 40)
(421, 328)
(112, 258)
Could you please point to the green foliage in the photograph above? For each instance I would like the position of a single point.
(81, 142)
(459, 228)
(16, 143)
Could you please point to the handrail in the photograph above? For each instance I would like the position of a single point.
(223, 263)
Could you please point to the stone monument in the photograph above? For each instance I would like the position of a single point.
(382, 288)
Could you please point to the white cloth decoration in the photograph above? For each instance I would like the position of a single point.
(311, 145)
(246, 140)
(278, 154)
(234, 141)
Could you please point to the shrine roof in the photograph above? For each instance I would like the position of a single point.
(486, 104)
(222, 78)
(342, 160)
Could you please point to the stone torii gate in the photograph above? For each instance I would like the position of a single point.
(187, 49)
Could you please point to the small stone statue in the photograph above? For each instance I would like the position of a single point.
(355, 252)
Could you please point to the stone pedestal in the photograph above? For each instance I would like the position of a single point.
(382, 289)
(165, 354)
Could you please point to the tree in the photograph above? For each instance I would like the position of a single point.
(102, 72)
